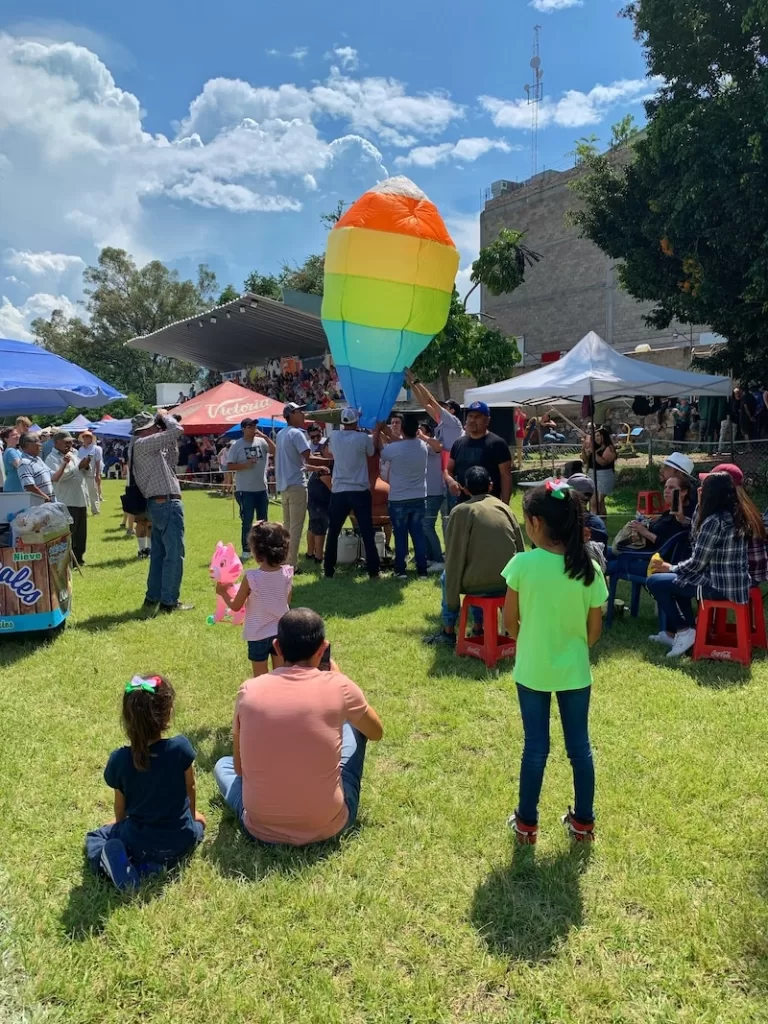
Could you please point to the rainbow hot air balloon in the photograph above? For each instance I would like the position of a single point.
(390, 265)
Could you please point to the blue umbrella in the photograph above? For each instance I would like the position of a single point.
(265, 423)
(34, 380)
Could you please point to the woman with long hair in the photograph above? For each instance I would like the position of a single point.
(604, 458)
(717, 570)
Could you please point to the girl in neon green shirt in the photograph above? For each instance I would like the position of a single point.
(554, 611)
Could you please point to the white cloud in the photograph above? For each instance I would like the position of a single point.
(299, 53)
(369, 104)
(206, 191)
(395, 138)
(574, 109)
(42, 263)
(348, 57)
(15, 320)
(79, 171)
(465, 150)
(550, 6)
(272, 53)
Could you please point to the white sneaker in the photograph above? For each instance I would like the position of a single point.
(684, 641)
(662, 638)
(435, 567)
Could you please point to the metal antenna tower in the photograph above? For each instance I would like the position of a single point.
(535, 94)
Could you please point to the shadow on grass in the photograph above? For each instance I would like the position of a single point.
(211, 743)
(97, 623)
(113, 563)
(16, 649)
(91, 903)
(715, 675)
(524, 910)
(235, 855)
(335, 597)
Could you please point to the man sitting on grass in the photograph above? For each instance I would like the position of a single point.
(299, 738)
(482, 537)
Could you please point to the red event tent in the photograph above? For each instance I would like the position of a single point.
(222, 407)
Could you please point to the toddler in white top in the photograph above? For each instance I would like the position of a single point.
(265, 592)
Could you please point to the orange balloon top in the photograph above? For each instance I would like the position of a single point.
(399, 214)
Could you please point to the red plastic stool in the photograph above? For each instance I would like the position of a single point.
(714, 639)
(492, 645)
(756, 621)
(650, 503)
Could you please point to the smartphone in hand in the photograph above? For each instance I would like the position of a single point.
(676, 500)
(325, 661)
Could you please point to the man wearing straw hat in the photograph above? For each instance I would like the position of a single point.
(92, 452)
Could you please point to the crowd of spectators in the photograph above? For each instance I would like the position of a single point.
(315, 387)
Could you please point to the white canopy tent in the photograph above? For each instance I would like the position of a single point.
(594, 368)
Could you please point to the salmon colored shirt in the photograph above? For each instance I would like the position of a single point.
(290, 724)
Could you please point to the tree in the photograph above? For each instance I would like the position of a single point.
(229, 294)
(689, 214)
(623, 131)
(305, 278)
(332, 218)
(466, 347)
(123, 302)
(500, 267)
(263, 284)
(585, 147)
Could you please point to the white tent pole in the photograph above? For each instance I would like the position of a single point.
(594, 448)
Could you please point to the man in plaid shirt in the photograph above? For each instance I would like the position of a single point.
(718, 569)
(153, 458)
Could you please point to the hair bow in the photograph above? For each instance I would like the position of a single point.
(557, 488)
(138, 683)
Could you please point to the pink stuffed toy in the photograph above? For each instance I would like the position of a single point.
(226, 568)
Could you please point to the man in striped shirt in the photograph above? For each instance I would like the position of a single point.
(34, 475)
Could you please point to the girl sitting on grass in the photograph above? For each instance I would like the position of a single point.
(156, 822)
(265, 592)
(554, 611)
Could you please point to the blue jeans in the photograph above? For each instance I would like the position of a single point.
(554, 438)
(341, 504)
(449, 504)
(674, 600)
(450, 617)
(434, 504)
(407, 517)
(353, 745)
(166, 560)
(146, 860)
(252, 504)
(574, 716)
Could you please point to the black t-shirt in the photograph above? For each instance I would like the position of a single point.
(156, 802)
(490, 452)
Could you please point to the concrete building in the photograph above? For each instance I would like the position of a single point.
(575, 287)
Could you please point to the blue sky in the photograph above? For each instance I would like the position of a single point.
(218, 133)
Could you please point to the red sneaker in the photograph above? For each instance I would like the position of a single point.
(526, 835)
(578, 831)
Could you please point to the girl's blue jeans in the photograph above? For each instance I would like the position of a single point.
(574, 717)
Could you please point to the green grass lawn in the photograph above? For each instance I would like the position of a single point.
(426, 913)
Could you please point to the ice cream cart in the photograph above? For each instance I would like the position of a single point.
(35, 576)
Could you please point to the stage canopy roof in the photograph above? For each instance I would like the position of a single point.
(248, 331)
(594, 368)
